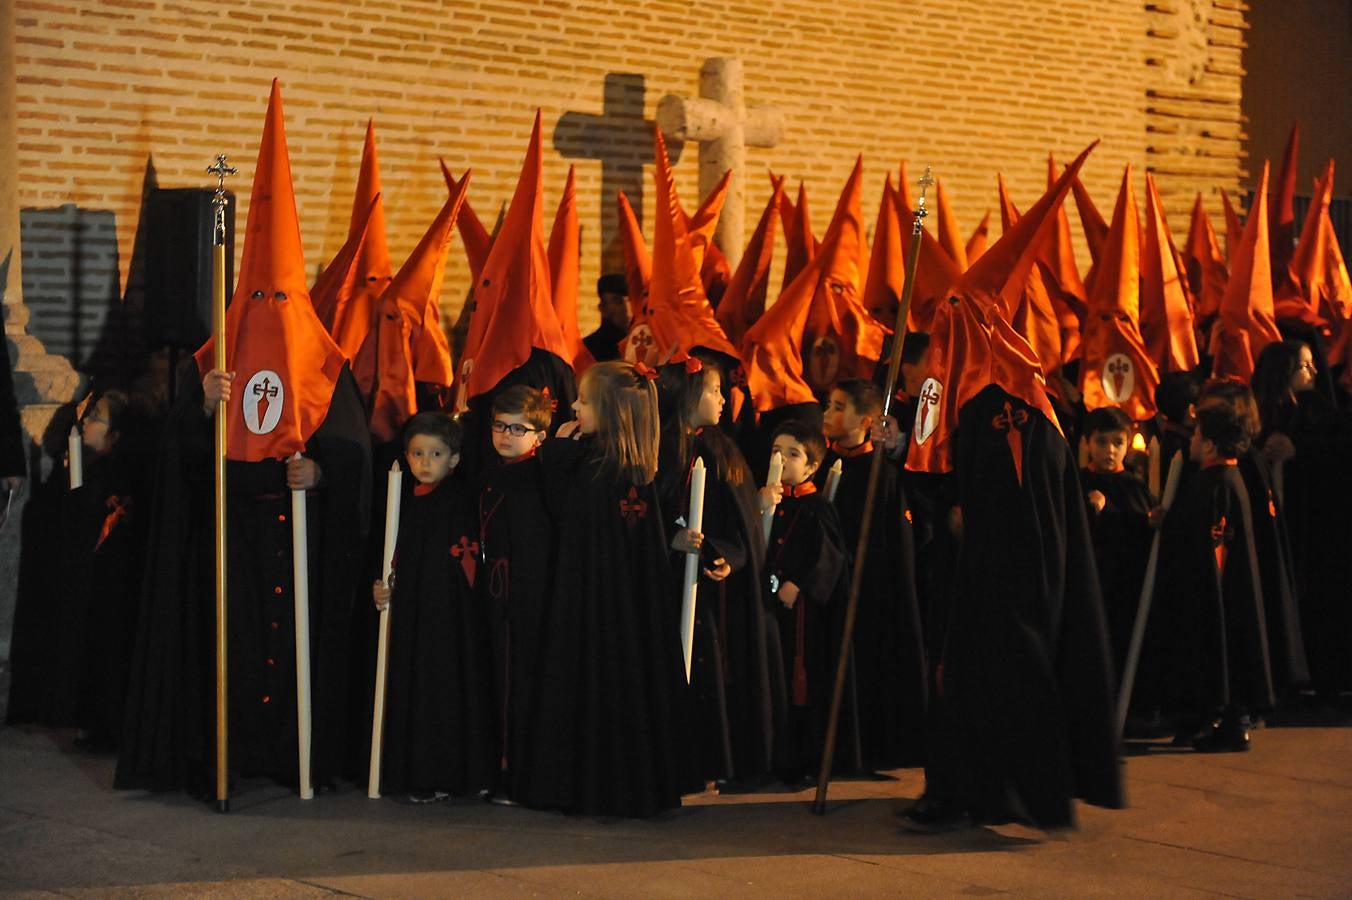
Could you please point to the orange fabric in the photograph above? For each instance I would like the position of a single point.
(887, 264)
(714, 271)
(946, 228)
(904, 196)
(935, 274)
(1282, 212)
(285, 363)
(1062, 278)
(1115, 368)
(565, 248)
(1247, 303)
(1318, 275)
(1234, 229)
(473, 234)
(980, 239)
(355, 315)
(676, 316)
(1205, 264)
(1166, 310)
(1036, 321)
(409, 343)
(1095, 230)
(744, 301)
(971, 347)
(821, 309)
(335, 285)
(514, 307)
(800, 243)
(638, 266)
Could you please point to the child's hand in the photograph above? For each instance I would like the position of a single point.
(302, 474)
(1278, 448)
(687, 540)
(1097, 500)
(216, 389)
(788, 594)
(1155, 516)
(885, 432)
(770, 495)
(720, 570)
(381, 594)
(569, 429)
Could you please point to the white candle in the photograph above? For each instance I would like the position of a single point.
(691, 588)
(392, 495)
(776, 472)
(300, 560)
(75, 454)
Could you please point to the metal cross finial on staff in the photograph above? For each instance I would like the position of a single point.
(218, 202)
(926, 181)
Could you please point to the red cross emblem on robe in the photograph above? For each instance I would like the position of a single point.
(467, 552)
(633, 507)
(1011, 422)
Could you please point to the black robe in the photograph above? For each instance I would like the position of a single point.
(1122, 537)
(808, 549)
(1208, 614)
(604, 343)
(608, 735)
(168, 736)
(889, 683)
(517, 542)
(438, 721)
(737, 692)
(1026, 672)
(541, 371)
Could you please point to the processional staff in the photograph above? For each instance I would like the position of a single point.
(871, 498)
(218, 204)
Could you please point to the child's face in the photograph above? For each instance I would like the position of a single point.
(586, 413)
(429, 458)
(94, 429)
(507, 442)
(1107, 449)
(1199, 448)
(1303, 378)
(797, 467)
(710, 407)
(841, 421)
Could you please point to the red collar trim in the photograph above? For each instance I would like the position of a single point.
(422, 490)
(1223, 461)
(863, 449)
(800, 490)
(522, 458)
(1097, 471)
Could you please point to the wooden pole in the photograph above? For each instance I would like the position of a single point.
(870, 501)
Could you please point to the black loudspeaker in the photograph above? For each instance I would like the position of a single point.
(178, 265)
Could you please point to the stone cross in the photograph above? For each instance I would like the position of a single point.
(724, 125)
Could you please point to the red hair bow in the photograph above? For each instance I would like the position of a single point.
(645, 371)
(693, 365)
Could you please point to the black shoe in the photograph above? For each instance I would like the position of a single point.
(1225, 736)
(932, 815)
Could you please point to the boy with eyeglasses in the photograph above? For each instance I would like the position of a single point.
(516, 542)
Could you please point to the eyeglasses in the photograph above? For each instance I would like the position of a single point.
(514, 429)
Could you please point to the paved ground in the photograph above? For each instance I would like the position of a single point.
(1276, 822)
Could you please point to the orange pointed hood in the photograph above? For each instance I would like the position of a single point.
(936, 273)
(638, 264)
(946, 228)
(1091, 220)
(356, 306)
(514, 307)
(801, 244)
(887, 264)
(744, 301)
(1116, 370)
(1166, 309)
(410, 346)
(1033, 315)
(1206, 264)
(1234, 229)
(1247, 304)
(714, 271)
(1003, 270)
(1062, 277)
(473, 234)
(676, 317)
(565, 240)
(971, 347)
(1318, 269)
(980, 239)
(338, 282)
(286, 366)
(1282, 210)
(904, 197)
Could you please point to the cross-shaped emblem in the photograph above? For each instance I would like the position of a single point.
(264, 391)
(218, 200)
(1220, 539)
(928, 402)
(467, 552)
(1011, 422)
(633, 507)
(1118, 369)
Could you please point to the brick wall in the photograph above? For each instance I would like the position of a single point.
(106, 86)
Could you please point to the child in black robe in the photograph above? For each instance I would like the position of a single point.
(889, 681)
(737, 695)
(1119, 525)
(806, 564)
(608, 726)
(1209, 595)
(517, 542)
(436, 735)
